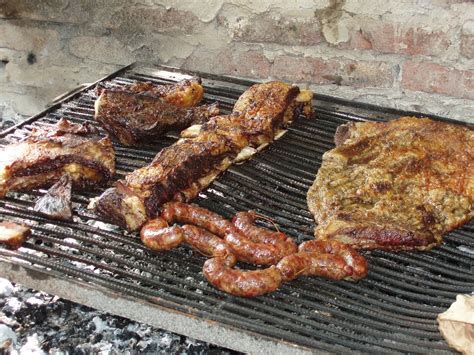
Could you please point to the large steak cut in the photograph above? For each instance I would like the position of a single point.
(397, 185)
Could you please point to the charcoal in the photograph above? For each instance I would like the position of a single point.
(42, 322)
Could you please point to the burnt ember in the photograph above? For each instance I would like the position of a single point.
(36, 322)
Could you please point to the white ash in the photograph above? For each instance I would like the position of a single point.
(39, 323)
(8, 337)
(6, 288)
(99, 324)
(13, 304)
(32, 346)
(102, 225)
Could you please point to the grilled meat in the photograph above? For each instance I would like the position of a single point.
(397, 185)
(259, 114)
(185, 93)
(137, 198)
(180, 171)
(134, 118)
(209, 233)
(56, 203)
(47, 154)
(13, 235)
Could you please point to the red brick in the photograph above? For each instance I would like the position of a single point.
(283, 30)
(337, 71)
(389, 37)
(438, 79)
(251, 64)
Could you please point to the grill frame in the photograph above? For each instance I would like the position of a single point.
(339, 305)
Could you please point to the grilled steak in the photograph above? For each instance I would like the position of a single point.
(397, 185)
(47, 154)
(186, 93)
(134, 118)
(180, 171)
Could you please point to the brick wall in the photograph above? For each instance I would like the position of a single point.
(416, 54)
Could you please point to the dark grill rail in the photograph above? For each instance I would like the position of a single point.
(393, 309)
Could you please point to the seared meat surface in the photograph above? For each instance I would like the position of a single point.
(143, 111)
(185, 93)
(137, 198)
(180, 171)
(47, 154)
(397, 185)
(134, 118)
(13, 235)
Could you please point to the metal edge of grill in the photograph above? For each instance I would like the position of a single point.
(394, 309)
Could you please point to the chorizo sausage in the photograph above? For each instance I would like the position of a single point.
(238, 282)
(208, 244)
(253, 253)
(195, 215)
(352, 258)
(156, 235)
(312, 264)
(244, 222)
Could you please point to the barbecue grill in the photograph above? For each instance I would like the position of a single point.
(99, 265)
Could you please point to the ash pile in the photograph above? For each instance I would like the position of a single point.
(33, 322)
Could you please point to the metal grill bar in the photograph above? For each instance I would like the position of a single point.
(393, 309)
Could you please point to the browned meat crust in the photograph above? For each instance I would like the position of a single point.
(137, 118)
(185, 93)
(137, 198)
(180, 171)
(13, 235)
(47, 154)
(397, 185)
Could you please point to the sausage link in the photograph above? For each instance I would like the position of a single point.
(208, 244)
(156, 235)
(250, 252)
(195, 215)
(244, 222)
(241, 283)
(352, 258)
(312, 264)
(246, 250)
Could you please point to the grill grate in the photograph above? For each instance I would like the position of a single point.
(393, 309)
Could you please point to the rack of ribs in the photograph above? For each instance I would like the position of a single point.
(47, 154)
(397, 185)
(144, 111)
(180, 171)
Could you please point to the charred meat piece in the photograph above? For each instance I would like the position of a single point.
(185, 93)
(47, 154)
(397, 185)
(56, 203)
(172, 174)
(260, 114)
(180, 171)
(12, 234)
(134, 118)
